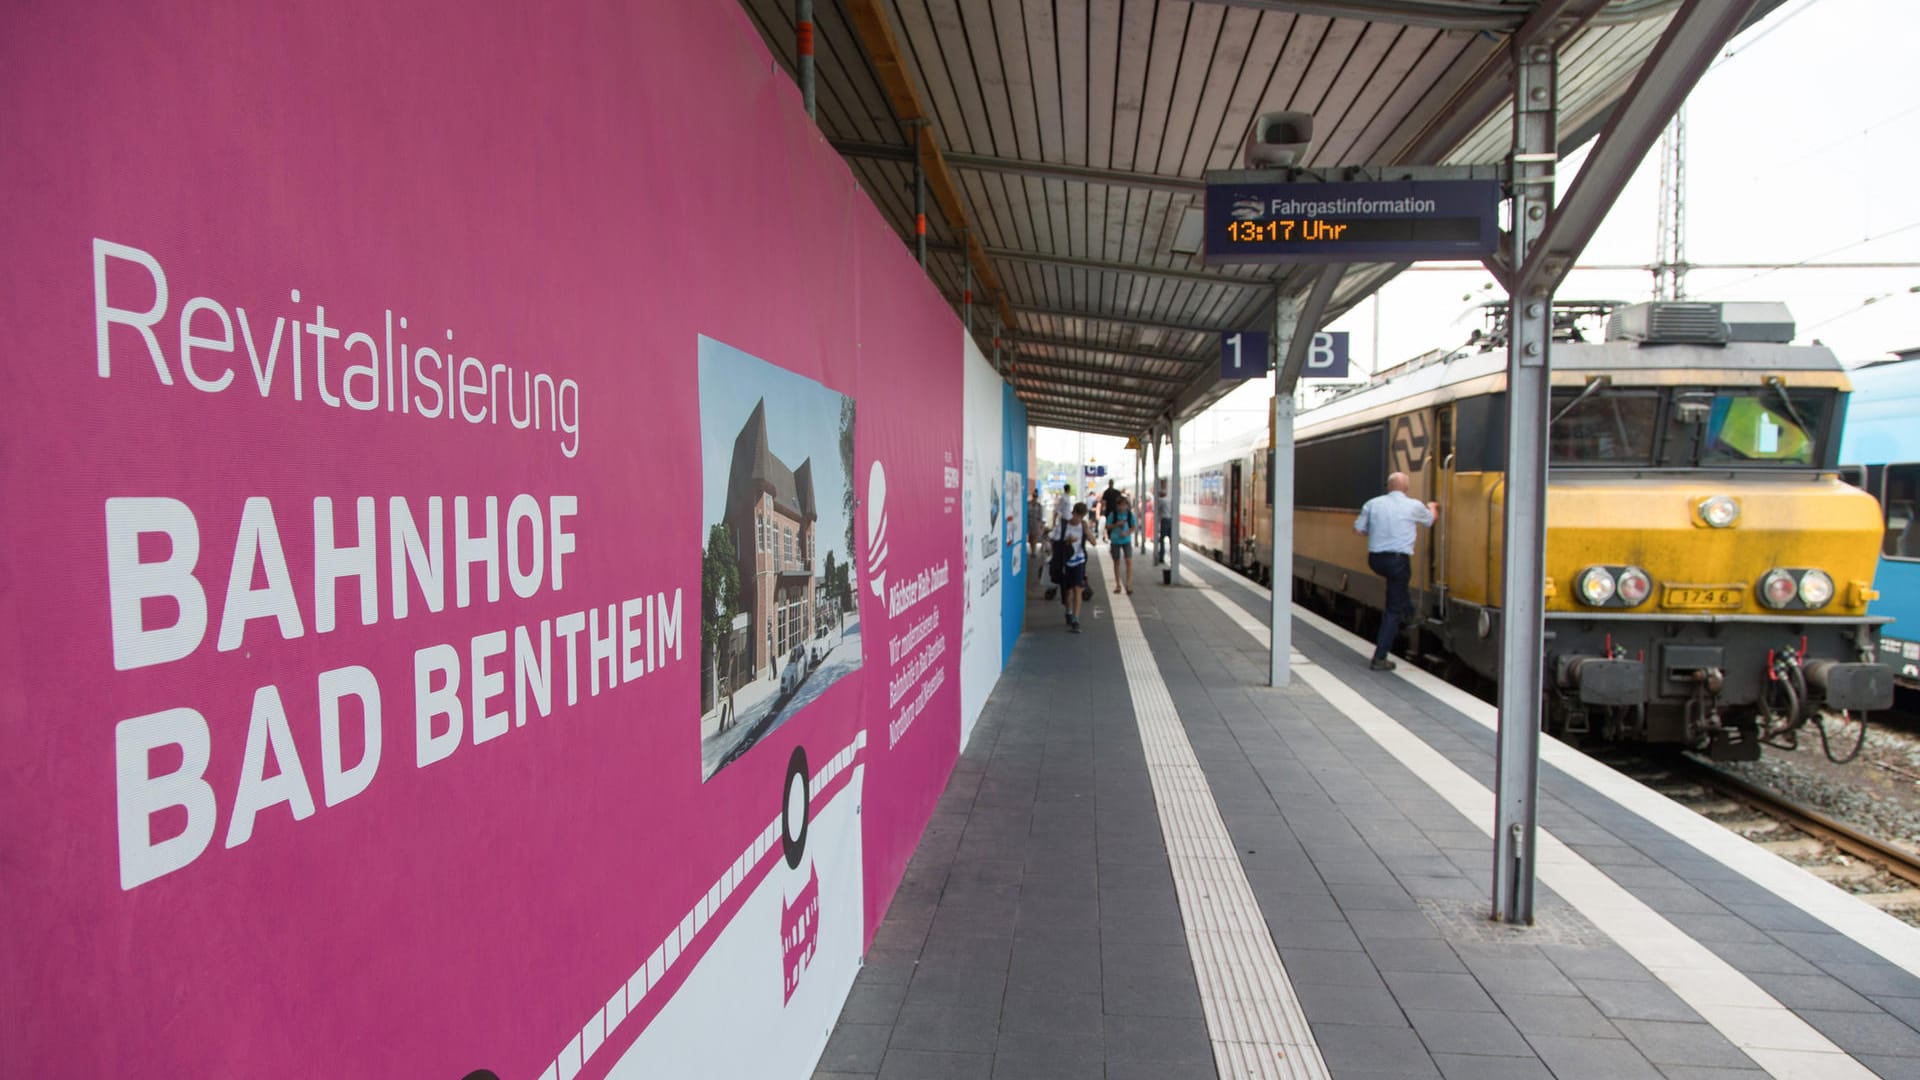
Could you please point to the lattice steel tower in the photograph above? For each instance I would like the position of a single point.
(1670, 246)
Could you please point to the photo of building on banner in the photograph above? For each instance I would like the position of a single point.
(779, 621)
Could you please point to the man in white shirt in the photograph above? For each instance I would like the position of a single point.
(1391, 524)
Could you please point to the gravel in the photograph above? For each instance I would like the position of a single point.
(1877, 793)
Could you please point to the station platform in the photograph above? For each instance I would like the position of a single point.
(1149, 864)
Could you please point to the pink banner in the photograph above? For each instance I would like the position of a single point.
(381, 699)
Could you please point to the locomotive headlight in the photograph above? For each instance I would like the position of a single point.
(1816, 589)
(1719, 511)
(1596, 585)
(1778, 588)
(1634, 586)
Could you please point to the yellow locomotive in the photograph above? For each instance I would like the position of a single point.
(1708, 572)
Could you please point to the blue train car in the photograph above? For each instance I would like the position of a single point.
(1881, 454)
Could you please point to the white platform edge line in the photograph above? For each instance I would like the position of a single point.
(1192, 829)
(1880, 933)
(1710, 985)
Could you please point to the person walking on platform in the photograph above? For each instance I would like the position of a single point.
(1073, 576)
(1121, 525)
(1062, 507)
(1160, 512)
(1391, 524)
(1036, 529)
(1109, 499)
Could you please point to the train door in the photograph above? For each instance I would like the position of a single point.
(1236, 528)
(1441, 484)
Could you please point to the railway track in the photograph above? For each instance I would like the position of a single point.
(1879, 873)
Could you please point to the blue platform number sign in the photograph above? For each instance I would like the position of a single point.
(1243, 354)
(1327, 356)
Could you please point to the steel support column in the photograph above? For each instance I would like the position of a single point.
(966, 292)
(803, 45)
(1286, 327)
(1523, 622)
(1173, 506)
(920, 193)
(1294, 325)
(1154, 488)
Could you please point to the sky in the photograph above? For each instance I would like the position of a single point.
(803, 421)
(1803, 142)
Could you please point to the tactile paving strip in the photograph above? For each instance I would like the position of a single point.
(1253, 1018)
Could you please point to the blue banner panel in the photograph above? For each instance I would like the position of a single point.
(1019, 486)
(1243, 354)
(1392, 221)
(1327, 356)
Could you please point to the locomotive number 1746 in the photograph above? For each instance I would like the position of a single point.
(1702, 596)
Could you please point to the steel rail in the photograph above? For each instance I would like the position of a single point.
(1896, 861)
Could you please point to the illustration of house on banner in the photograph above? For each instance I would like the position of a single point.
(774, 505)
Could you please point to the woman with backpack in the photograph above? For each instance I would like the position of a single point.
(1121, 525)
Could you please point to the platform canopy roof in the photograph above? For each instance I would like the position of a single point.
(1066, 143)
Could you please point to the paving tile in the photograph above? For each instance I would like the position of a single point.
(1373, 925)
(1331, 967)
(1892, 1068)
(1368, 872)
(873, 1003)
(1027, 1056)
(856, 1048)
(1573, 1016)
(1475, 1067)
(1530, 975)
(1812, 992)
(1468, 1033)
(1441, 990)
(1706, 928)
(1414, 954)
(1865, 1033)
(1753, 956)
(1043, 1012)
(1372, 897)
(1594, 962)
(1708, 1072)
(818, 1075)
(1665, 1043)
(1160, 1070)
(1299, 906)
(970, 1029)
(1347, 1047)
(1906, 1010)
(889, 965)
(1141, 996)
(930, 1065)
(1312, 934)
(1873, 979)
(1645, 998)
(1575, 1058)
(1051, 963)
(1158, 930)
(1181, 1040)
(1350, 1005)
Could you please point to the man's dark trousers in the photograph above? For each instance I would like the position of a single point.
(1397, 568)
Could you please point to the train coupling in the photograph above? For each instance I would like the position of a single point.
(1599, 680)
(1845, 685)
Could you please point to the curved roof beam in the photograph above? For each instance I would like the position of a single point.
(1483, 15)
(870, 24)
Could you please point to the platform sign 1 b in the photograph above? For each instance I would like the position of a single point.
(1243, 354)
(1327, 356)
